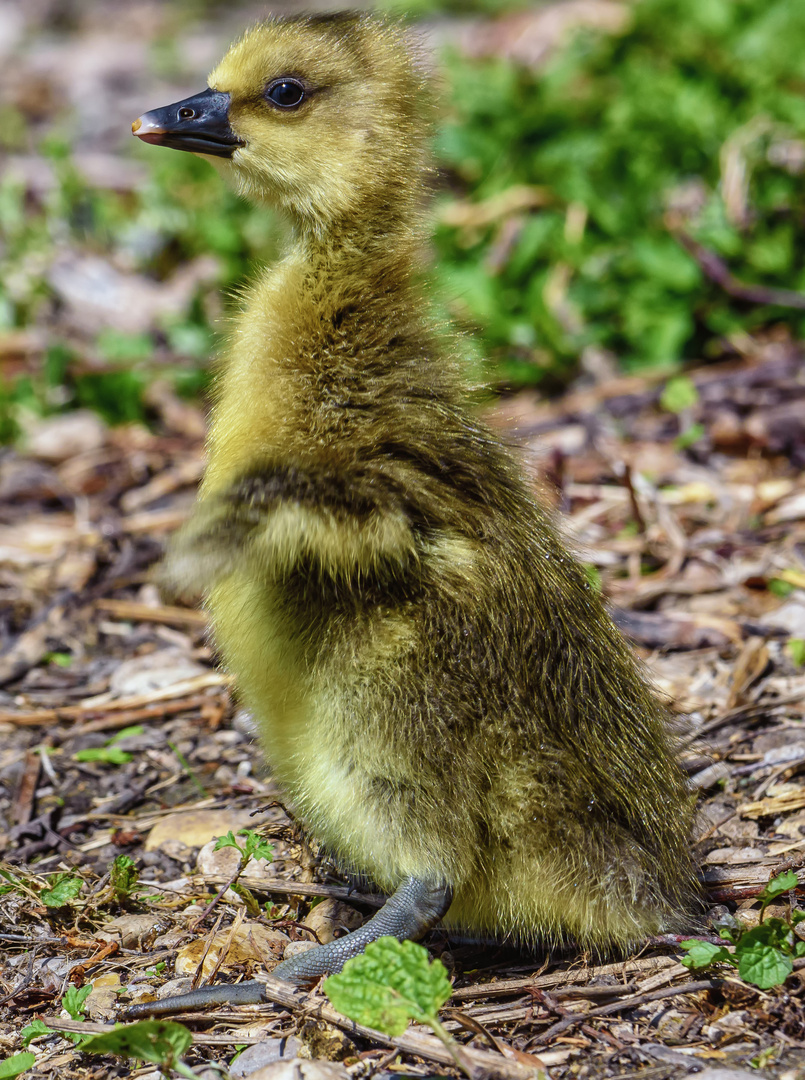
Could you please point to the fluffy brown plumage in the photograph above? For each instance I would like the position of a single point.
(439, 691)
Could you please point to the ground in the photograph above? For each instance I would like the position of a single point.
(703, 567)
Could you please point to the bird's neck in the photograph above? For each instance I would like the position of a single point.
(384, 241)
(324, 334)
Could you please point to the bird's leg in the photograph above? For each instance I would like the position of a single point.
(413, 909)
(250, 992)
(407, 915)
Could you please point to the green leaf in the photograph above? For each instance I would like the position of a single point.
(73, 1000)
(160, 1041)
(254, 846)
(593, 575)
(762, 964)
(702, 954)
(227, 841)
(778, 587)
(16, 1064)
(776, 932)
(783, 883)
(119, 347)
(689, 436)
(34, 1030)
(679, 394)
(127, 732)
(60, 659)
(13, 883)
(123, 876)
(116, 395)
(109, 755)
(62, 888)
(389, 984)
(795, 647)
(765, 1058)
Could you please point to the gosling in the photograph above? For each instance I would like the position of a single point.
(439, 691)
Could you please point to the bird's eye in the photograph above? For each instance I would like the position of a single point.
(186, 114)
(286, 93)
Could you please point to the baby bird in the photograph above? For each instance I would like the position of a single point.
(440, 693)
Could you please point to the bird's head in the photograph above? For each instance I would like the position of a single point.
(321, 116)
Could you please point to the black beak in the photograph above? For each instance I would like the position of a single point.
(199, 124)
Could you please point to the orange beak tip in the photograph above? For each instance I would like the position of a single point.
(135, 127)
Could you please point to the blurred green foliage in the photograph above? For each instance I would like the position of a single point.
(423, 8)
(181, 212)
(692, 119)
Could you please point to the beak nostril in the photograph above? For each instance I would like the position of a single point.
(199, 124)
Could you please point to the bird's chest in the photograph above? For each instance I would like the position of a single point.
(298, 681)
(264, 652)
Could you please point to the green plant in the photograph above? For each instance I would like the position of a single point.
(181, 212)
(123, 877)
(593, 575)
(795, 647)
(11, 883)
(781, 588)
(765, 1058)
(689, 436)
(686, 129)
(33, 1031)
(393, 982)
(159, 1041)
(110, 753)
(680, 393)
(63, 887)
(16, 1064)
(60, 659)
(73, 1003)
(764, 955)
(74, 999)
(107, 755)
(252, 847)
